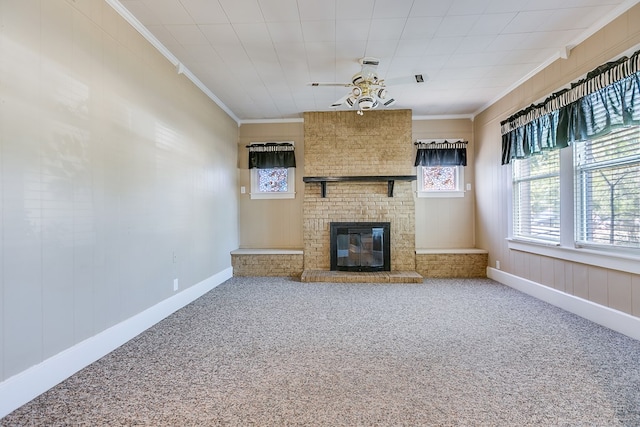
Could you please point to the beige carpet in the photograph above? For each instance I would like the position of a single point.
(276, 352)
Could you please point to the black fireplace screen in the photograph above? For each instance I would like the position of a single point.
(360, 246)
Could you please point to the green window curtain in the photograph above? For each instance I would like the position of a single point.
(441, 154)
(608, 98)
(271, 155)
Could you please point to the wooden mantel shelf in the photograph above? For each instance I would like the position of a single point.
(390, 180)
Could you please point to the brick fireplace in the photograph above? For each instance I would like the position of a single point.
(344, 144)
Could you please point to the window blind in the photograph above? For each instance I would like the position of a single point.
(607, 189)
(536, 197)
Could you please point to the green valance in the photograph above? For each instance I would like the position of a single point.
(441, 153)
(271, 155)
(608, 97)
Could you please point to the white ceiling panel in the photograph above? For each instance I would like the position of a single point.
(221, 35)
(242, 12)
(431, 8)
(387, 29)
(527, 22)
(279, 10)
(467, 7)
(252, 33)
(421, 28)
(205, 11)
(285, 32)
(384, 9)
(169, 11)
(457, 25)
(258, 56)
(313, 10)
(143, 13)
(319, 31)
(352, 29)
(491, 24)
(187, 34)
(354, 9)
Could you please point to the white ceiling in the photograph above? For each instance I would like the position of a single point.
(256, 57)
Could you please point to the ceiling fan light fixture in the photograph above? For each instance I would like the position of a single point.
(381, 93)
(367, 103)
(356, 91)
(351, 101)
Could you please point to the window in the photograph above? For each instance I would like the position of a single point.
(272, 166)
(536, 197)
(440, 181)
(273, 183)
(440, 168)
(593, 125)
(607, 190)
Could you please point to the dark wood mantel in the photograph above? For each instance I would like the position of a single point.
(390, 180)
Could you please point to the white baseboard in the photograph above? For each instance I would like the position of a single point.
(605, 316)
(30, 383)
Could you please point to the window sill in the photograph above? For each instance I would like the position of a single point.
(273, 195)
(440, 194)
(615, 261)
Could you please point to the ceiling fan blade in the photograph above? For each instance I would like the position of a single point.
(387, 102)
(329, 84)
(370, 61)
(340, 101)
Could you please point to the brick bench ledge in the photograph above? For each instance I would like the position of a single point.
(450, 251)
(267, 252)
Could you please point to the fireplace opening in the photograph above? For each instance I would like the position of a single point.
(360, 246)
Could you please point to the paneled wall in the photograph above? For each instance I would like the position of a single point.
(117, 175)
(606, 286)
(447, 223)
(270, 223)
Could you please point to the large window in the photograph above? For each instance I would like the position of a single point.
(600, 182)
(590, 206)
(607, 190)
(536, 197)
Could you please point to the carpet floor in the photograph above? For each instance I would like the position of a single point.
(278, 352)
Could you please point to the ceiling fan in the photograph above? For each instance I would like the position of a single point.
(368, 90)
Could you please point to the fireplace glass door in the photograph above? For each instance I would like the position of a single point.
(360, 247)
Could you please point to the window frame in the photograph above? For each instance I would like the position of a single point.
(532, 179)
(255, 192)
(460, 184)
(621, 259)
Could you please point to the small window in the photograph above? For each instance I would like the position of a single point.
(440, 181)
(273, 170)
(273, 183)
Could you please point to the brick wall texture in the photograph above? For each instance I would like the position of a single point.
(452, 265)
(278, 265)
(343, 143)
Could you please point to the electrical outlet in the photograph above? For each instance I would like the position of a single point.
(498, 265)
(175, 285)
